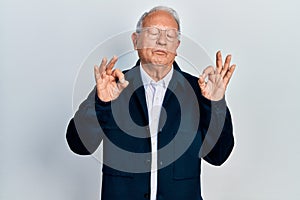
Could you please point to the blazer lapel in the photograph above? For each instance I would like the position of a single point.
(177, 79)
(137, 88)
(136, 84)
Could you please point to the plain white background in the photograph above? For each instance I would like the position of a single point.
(42, 46)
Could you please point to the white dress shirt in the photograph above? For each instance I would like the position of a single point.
(155, 93)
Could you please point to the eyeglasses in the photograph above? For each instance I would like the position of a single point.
(153, 33)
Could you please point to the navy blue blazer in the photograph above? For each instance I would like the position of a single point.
(191, 128)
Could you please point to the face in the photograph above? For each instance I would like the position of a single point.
(156, 43)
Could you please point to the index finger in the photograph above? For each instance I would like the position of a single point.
(208, 71)
(119, 75)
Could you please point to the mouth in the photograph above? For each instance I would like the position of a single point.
(160, 52)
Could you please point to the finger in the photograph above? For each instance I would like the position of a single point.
(117, 74)
(122, 83)
(102, 67)
(97, 73)
(201, 79)
(226, 65)
(228, 75)
(208, 71)
(219, 62)
(111, 64)
(201, 82)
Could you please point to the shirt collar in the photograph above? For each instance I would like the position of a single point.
(147, 80)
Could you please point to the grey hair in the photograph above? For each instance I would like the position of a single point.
(169, 10)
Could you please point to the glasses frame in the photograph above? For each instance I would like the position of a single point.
(156, 37)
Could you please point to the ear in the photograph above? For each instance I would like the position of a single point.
(134, 38)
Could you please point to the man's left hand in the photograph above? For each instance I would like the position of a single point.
(217, 78)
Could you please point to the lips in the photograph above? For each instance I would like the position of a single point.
(160, 51)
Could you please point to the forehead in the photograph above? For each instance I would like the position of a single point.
(161, 19)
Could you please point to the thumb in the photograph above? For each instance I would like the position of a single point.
(122, 84)
(201, 82)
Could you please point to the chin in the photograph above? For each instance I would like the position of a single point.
(160, 61)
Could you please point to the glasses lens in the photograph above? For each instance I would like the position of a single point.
(171, 34)
(153, 33)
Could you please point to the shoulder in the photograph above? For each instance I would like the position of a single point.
(191, 79)
(187, 76)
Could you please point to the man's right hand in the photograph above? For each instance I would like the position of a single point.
(110, 83)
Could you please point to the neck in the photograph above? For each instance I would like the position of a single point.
(156, 72)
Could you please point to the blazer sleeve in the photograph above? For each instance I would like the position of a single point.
(84, 133)
(217, 131)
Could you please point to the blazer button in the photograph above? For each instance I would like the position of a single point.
(147, 195)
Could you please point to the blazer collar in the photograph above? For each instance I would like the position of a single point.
(135, 81)
(177, 78)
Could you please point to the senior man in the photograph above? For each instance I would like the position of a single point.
(156, 122)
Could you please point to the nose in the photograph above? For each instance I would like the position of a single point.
(162, 39)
